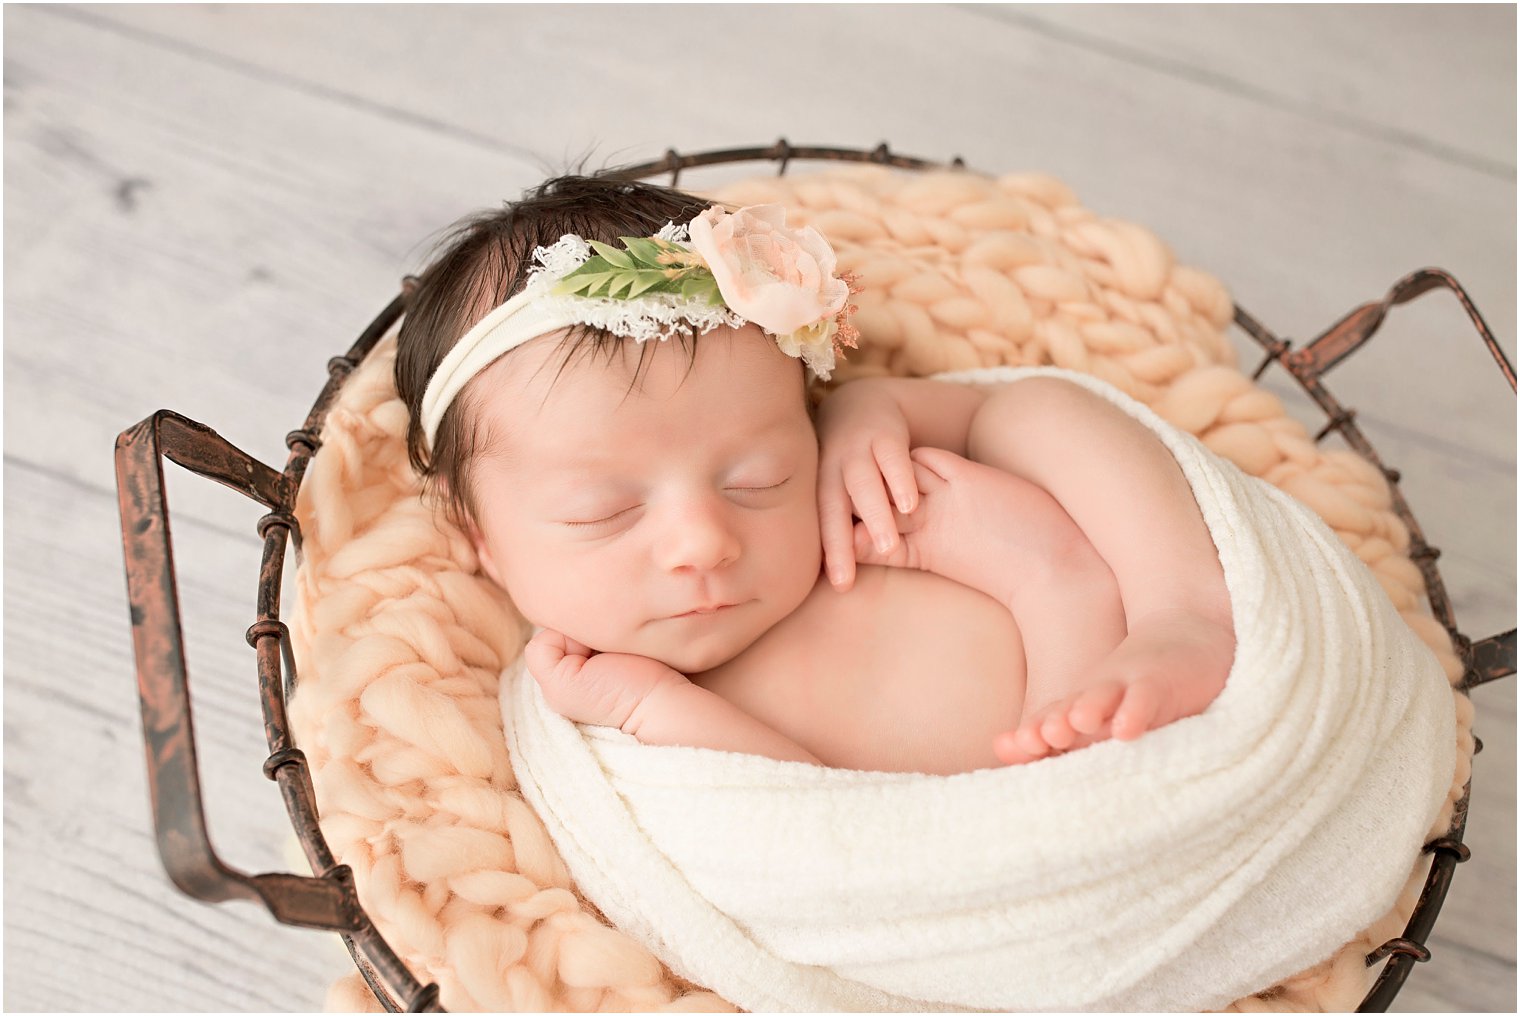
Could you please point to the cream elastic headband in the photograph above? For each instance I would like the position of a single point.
(745, 266)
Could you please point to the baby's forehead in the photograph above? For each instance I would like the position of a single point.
(602, 404)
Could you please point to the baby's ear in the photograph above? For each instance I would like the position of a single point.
(483, 553)
(462, 517)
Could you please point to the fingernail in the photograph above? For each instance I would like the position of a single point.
(883, 543)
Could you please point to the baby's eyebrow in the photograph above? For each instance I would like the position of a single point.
(569, 479)
(579, 465)
(589, 466)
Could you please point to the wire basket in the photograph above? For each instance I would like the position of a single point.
(328, 900)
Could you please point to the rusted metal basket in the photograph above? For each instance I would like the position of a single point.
(328, 900)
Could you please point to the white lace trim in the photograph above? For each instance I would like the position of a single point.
(674, 233)
(649, 316)
(559, 259)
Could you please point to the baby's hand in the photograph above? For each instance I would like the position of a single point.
(863, 451)
(590, 687)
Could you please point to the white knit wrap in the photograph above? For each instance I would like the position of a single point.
(1204, 861)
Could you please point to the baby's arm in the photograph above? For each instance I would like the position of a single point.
(647, 699)
(1109, 472)
(1118, 483)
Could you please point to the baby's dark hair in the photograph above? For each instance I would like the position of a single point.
(476, 266)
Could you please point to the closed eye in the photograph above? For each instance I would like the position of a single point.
(598, 522)
(756, 489)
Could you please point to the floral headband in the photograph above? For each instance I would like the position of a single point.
(745, 266)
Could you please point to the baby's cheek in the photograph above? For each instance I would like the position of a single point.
(549, 592)
(798, 553)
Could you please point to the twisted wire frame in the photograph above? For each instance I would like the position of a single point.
(328, 900)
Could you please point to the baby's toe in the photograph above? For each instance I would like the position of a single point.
(1028, 740)
(1137, 713)
(1095, 707)
(1056, 731)
(1008, 750)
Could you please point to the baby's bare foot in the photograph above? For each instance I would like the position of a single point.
(979, 525)
(1171, 665)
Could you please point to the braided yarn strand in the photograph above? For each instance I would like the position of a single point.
(399, 642)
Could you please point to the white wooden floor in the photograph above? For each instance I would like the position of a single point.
(202, 204)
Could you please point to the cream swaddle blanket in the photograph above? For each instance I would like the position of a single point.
(1202, 862)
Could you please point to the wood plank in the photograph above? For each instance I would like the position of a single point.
(83, 877)
(1458, 981)
(1383, 70)
(255, 245)
(1479, 913)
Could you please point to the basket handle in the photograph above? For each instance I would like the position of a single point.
(163, 681)
(1487, 659)
(1343, 338)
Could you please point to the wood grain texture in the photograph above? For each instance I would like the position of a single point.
(205, 203)
(1384, 72)
(91, 922)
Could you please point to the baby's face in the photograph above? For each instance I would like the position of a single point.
(622, 518)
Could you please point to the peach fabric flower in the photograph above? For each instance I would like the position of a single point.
(781, 279)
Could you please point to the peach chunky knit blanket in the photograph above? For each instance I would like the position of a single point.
(401, 643)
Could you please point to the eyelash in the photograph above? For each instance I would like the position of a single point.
(598, 522)
(771, 487)
(625, 511)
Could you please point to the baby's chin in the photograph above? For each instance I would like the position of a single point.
(702, 654)
(689, 646)
(695, 645)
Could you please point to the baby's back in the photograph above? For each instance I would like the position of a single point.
(907, 671)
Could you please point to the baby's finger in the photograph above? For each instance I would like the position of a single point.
(544, 652)
(835, 526)
(574, 648)
(866, 552)
(863, 481)
(897, 468)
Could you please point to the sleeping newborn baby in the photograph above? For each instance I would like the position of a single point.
(629, 443)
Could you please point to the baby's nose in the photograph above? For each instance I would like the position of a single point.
(698, 536)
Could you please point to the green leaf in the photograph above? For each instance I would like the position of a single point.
(570, 285)
(643, 250)
(615, 257)
(613, 281)
(646, 281)
(668, 247)
(622, 281)
(591, 266)
(701, 286)
(586, 284)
